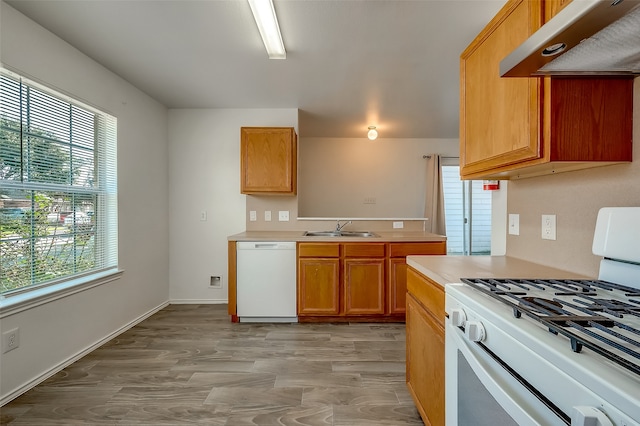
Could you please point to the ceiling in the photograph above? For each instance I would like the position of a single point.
(350, 64)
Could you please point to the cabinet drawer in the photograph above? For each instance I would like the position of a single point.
(429, 294)
(318, 250)
(413, 249)
(364, 250)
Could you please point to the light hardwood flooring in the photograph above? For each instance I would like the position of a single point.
(188, 364)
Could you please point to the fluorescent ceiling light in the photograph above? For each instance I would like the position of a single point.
(265, 16)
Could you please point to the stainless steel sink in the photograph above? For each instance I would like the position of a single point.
(365, 234)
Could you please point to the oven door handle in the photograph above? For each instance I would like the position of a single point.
(535, 392)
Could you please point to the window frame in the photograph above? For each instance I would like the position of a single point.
(105, 253)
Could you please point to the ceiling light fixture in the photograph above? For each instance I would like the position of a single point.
(265, 16)
(372, 134)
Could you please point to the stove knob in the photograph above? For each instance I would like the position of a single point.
(474, 330)
(458, 317)
(589, 416)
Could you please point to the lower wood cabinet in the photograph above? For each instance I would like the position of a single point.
(356, 281)
(425, 347)
(398, 252)
(318, 286)
(364, 279)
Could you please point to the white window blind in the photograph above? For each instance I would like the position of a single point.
(58, 187)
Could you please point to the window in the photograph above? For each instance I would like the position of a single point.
(58, 188)
(467, 211)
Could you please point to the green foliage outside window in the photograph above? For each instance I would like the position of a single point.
(37, 244)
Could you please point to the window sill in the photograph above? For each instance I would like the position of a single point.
(21, 302)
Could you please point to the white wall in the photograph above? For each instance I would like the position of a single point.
(54, 333)
(204, 168)
(336, 175)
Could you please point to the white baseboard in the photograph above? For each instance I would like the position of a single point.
(198, 301)
(61, 366)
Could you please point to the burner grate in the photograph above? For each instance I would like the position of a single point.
(577, 311)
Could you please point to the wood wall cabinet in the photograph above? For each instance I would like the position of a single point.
(425, 372)
(356, 281)
(268, 160)
(552, 7)
(515, 127)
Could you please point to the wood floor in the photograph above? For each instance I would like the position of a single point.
(187, 364)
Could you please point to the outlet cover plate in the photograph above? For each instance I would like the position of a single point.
(10, 340)
(283, 215)
(549, 227)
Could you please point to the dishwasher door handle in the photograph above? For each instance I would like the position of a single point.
(265, 245)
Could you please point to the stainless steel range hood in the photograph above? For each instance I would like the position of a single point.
(587, 37)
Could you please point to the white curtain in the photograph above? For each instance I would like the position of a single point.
(434, 201)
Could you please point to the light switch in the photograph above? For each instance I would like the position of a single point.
(267, 215)
(283, 215)
(514, 224)
(252, 216)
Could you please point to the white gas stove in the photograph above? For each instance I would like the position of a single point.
(550, 351)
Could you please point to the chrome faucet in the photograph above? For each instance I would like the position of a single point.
(339, 227)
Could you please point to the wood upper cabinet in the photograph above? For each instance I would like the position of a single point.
(268, 160)
(425, 347)
(518, 126)
(552, 7)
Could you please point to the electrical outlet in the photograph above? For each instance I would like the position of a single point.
(252, 216)
(548, 226)
(203, 215)
(267, 215)
(398, 225)
(283, 215)
(10, 340)
(514, 224)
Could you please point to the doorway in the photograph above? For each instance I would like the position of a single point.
(467, 211)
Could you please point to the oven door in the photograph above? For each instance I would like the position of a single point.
(481, 389)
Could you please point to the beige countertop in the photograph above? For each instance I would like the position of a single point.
(450, 269)
(409, 236)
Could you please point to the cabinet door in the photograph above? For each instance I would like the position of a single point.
(268, 160)
(318, 286)
(364, 286)
(552, 7)
(425, 363)
(500, 118)
(397, 292)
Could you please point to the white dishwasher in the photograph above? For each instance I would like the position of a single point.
(266, 281)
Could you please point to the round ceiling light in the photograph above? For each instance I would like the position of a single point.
(372, 134)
